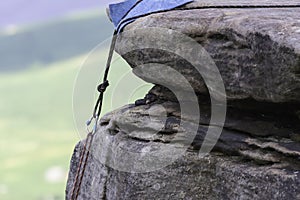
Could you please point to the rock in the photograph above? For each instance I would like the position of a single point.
(185, 140)
(192, 177)
(256, 50)
(242, 165)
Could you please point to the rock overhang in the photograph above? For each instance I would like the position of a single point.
(256, 49)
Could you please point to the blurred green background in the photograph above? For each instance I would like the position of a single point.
(41, 57)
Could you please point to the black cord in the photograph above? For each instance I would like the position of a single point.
(105, 83)
(102, 87)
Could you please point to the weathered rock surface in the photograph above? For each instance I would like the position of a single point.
(256, 50)
(150, 150)
(190, 177)
(247, 162)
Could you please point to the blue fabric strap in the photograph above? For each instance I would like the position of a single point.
(118, 11)
(128, 11)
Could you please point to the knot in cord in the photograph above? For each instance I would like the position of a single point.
(102, 87)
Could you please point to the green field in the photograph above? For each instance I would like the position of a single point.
(37, 128)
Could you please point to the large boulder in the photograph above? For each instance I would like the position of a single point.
(256, 50)
(158, 147)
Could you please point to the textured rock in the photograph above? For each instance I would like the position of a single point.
(242, 165)
(191, 177)
(256, 50)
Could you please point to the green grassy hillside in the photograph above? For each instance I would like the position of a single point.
(36, 130)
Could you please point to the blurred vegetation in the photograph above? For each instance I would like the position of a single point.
(53, 41)
(36, 117)
(36, 130)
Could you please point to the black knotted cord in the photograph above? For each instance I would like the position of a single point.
(96, 114)
(102, 87)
